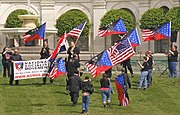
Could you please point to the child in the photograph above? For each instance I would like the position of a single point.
(87, 89)
(144, 73)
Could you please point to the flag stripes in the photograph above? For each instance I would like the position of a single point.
(146, 33)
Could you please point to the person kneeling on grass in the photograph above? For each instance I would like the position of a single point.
(144, 73)
(87, 89)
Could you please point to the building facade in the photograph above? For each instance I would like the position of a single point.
(50, 10)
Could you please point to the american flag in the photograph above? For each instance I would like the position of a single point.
(76, 32)
(147, 34)
(120, 86)
(108, 58)
(121, 51)
(134, 38)
(116, 27)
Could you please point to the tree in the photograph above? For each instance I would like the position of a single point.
(113, 15)
(174, 16)
(71, 19)
(152, 18)
(14, 22)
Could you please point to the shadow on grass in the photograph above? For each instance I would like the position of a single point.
(61, 92)
(38, 104)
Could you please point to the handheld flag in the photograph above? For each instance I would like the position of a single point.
(111, 57)
(116, 27)
(76, 32)
(57, 49)
(58, 69)
(122, 94)
(162, 33)
(99, 63)
(34, 34)
(134, 38)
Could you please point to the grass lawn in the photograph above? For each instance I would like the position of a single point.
(31, 97)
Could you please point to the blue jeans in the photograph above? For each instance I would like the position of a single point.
(85, 103)
(106, 94)
(143, 79)
(149, 77)
(172, 66)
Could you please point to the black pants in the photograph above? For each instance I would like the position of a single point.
(127, 65)
(44, 80)
(6, 66)
(12, 77)
(74, 96)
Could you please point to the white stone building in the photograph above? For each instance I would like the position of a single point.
(50, 10)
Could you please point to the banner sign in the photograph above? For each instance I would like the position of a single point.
(30, 69)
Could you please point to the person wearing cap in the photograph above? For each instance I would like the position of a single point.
(75, 84)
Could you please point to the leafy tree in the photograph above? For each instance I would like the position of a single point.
(113, 15)
(174, 15)
(14, 22)
(71, 19)
(152, 18)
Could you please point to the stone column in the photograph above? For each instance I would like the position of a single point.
(47, 15)
(99, 9)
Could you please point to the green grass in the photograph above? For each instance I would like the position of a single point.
(31, 97)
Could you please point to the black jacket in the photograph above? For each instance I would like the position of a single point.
(75, 83)
(44, 53)
(84, 86)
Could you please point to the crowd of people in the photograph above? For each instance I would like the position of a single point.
(74, 83)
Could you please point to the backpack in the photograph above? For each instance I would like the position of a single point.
(87, 88)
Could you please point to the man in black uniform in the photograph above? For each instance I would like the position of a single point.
(72, 50)
(45, 53)
(75, 84)
(127, 65)
(15, 57)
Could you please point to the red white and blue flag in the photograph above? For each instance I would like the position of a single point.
(58, 47)
(111, 57)
(34, 34)
(116, 27)
(58, 69)
(123, 100)
(162, 33)
(134, 38)
(76, 32)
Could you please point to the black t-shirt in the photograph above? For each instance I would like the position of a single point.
(150, 62)
(6, 58)
(104, 83)
(173, 58)
(44, 53)
(72, 66)
(145, 65)
(76, 50)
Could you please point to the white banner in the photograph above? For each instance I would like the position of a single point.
(30, 69)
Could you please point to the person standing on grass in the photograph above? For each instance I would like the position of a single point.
(150, 67)
(45, 53)
(6, 62)
(172, 62)
(15, 57)
(75, 84)
(109, 75)
(127, 65)
(87, 89)
(105, 90)
(144, 73)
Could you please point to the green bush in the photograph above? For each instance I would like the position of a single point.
(14, 22)
(174, 15)
(71, 19)
(113, 15)
(152, 18)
